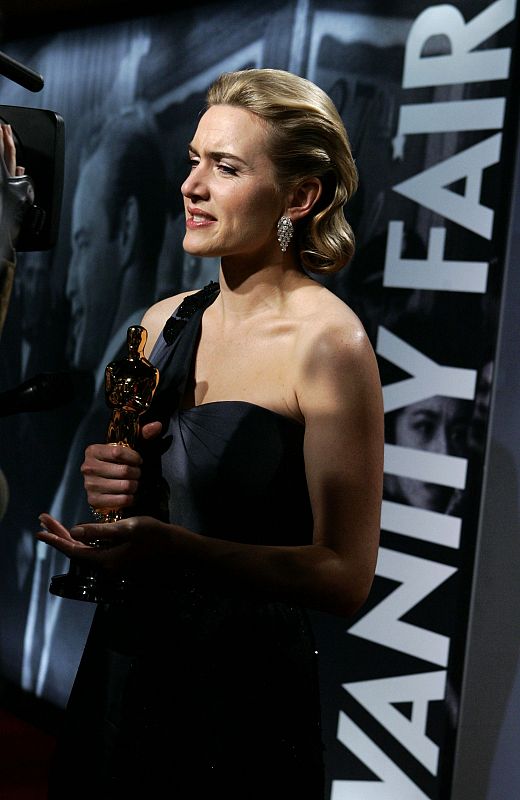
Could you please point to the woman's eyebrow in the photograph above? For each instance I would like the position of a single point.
(217, 155)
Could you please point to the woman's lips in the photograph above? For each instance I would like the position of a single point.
(199, 221)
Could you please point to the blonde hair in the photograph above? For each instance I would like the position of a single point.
(307, 138)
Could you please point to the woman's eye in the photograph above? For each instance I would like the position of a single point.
(227, 169)
(424, 427)
(459, 433)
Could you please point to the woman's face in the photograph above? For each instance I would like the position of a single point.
(439, 425)
(231, 199)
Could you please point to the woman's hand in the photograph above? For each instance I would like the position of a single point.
(128, 545)
(111, 472)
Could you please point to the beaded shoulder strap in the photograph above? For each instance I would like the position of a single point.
(190, 304)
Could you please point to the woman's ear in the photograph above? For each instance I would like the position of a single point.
(303, 198)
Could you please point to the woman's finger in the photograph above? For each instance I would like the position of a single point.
(106, 532)
(53, 526)
(111, 454)
(151, 430)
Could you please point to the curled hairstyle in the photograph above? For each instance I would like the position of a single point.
(306, 138)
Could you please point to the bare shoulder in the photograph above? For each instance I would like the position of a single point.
(333, 331)
(155, 318)
(335, 356)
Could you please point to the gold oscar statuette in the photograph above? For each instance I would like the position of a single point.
(130, 384)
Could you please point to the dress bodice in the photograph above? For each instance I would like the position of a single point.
(234, 469)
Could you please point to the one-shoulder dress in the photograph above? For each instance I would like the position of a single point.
(191, 689)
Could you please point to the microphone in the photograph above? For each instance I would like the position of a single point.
(20, 74)
(43, 392)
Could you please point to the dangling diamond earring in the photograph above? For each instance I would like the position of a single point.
(285, 230)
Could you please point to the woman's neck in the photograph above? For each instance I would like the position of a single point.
(245, 292)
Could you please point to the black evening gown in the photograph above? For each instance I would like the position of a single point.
(192, 689)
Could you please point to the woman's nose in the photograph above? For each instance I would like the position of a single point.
(195, 185)
(441, 441)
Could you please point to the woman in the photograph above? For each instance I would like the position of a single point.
(269, 431)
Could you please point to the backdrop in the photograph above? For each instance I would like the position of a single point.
(425, 91)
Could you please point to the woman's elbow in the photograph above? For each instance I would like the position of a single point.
(348, 593)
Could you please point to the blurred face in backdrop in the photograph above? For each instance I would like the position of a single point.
(438, 425)
(35, 292)
(92, 283)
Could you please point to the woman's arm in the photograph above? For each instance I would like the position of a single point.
(342, 404)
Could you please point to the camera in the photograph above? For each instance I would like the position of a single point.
(39, 136)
